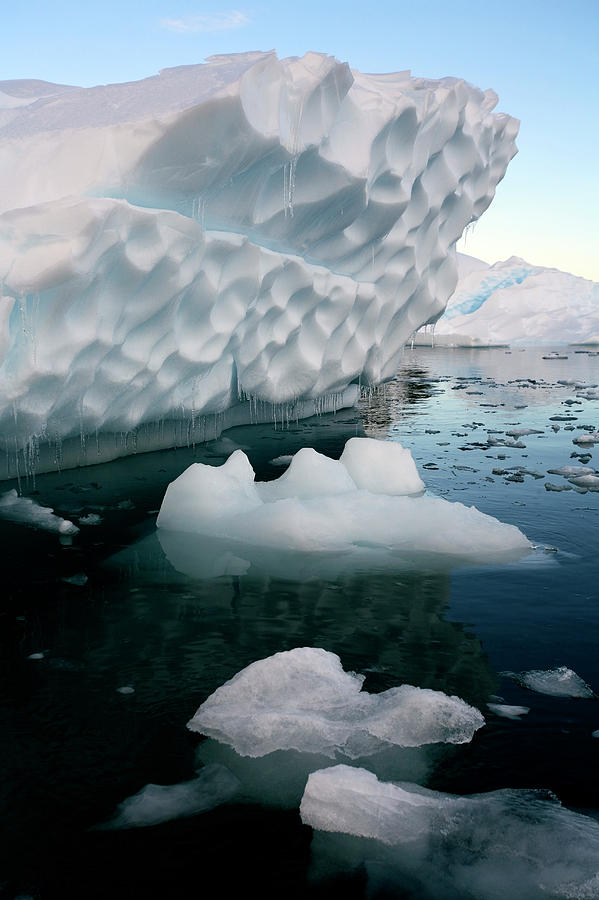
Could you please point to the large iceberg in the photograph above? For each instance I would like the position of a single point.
(240, 240)
(514, 302)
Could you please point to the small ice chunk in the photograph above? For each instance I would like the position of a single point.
(90, 519)
(156, 803)
(381, 467)
(595, 734)
(590, 481)
(589, 437)
(27, 511)
(125, 689)
(508, 712)
(522, 432)
(281, 460)
(35, 656)
(303, 700)
(79, 579)
(559, 682)
(569, 471)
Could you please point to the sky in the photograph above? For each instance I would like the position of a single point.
(540, 56)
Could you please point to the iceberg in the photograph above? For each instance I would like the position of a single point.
(243, 240)
(514, 302)
(507, 843)
(370, 502)
(303, 700)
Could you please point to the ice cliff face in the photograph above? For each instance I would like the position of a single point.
(514, 302)
(219, 241)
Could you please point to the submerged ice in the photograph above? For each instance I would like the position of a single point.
(303, 700)
(369, 499)
(508, 843)
(241, 239)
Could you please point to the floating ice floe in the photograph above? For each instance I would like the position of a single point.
(508, 843)
(590, 437)
(27, 511)
(369, 501)
(156, 803)
(559, 682)
(302, 700)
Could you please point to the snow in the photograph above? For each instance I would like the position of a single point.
(156, 803)
(317, 507)
(236, 241)
(514, 302)
(25, 510)
(559, 682)
(303, 700)
(508, 843)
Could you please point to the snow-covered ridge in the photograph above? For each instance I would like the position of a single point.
(514, 302)
(246, 228)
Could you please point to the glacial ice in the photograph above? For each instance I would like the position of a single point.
(303, 700)
(316, 506)
(508, 843)
(235, 241)
(156, 803)
(514, 302)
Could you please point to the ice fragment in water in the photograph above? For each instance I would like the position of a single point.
(303, 700)
(27, 511)
(508, 712)
(560, 682)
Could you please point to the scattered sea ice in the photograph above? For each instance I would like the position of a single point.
(156, 803)
(303, 700)
(559, 682)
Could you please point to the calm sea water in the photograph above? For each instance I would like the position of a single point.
(110, 610)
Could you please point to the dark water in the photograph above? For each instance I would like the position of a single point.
(73, 746)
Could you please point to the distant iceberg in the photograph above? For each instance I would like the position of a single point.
(243, 240)
(513, 302)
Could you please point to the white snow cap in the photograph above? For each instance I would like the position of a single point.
(303, 700)
(319, 505)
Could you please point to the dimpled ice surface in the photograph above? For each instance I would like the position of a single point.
(221, 243)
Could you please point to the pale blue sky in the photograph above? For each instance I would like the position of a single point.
(541, 58)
